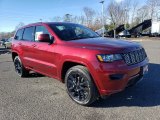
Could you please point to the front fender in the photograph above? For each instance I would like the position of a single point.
(81, 61)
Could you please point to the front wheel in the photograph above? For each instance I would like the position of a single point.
(80, 85)
(19, 68)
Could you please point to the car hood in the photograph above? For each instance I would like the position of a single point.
(106, 44)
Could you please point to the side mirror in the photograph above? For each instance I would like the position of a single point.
(43, 38)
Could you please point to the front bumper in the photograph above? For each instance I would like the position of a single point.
(131, 74)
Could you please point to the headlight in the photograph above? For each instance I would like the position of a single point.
(109, 58)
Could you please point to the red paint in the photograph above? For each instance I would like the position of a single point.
(49, 59)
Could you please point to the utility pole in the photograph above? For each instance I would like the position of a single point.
(102, 2)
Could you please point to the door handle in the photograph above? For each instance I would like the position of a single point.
(34, 45)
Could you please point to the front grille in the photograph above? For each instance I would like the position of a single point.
(134, 57)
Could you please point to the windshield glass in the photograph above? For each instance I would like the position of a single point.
(69, 31)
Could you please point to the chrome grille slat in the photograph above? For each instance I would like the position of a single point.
(134, 57)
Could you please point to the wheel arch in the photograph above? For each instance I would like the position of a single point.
(14, 54)
(70, 63)
(66, 66)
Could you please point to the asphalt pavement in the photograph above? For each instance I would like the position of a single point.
(42, 98)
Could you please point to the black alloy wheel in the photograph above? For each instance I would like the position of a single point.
(80, 86)
(19, 68)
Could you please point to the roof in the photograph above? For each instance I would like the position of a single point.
(41, 23)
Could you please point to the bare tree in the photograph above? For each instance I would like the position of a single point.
(116, 13)
(89, 14)
(142, 13)
(134, 8)
(81, 20)
(126, 6)
(153, 6)
(6, 35)
(56, 19)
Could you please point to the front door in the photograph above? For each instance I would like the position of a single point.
(44, 56)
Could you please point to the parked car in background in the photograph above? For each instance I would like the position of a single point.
(90, 66)
(7, 43)
(2, 42)
(125, 34)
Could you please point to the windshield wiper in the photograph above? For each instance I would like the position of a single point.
(74, 39)
(77, 38)
(94, 36)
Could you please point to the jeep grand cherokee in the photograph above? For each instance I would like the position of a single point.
(89, 65)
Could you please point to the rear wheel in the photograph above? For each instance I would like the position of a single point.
(80, 86)
(19, 68)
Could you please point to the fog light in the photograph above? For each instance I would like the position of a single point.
(116, 76)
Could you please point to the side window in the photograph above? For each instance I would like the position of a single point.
(19, 34)
(28, 34)
(78, 31)
(40, 30)
(60, 28)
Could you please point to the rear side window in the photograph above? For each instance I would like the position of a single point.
(40, 30)
(29, 34)
(19, 34)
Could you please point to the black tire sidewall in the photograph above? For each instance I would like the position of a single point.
(17, 58)
(24, 72)
(86, 75)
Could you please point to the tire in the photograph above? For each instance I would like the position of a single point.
(19, 68)
(80, 86)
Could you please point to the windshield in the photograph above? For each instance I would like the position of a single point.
(69, 31)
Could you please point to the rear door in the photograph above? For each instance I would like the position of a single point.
(17, 43)
(28, 52)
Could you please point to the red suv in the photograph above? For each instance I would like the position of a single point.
(89, 65)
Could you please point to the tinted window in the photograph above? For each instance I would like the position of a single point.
(19, 34)
(40, 30)
(67, 31)
(28, 34)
